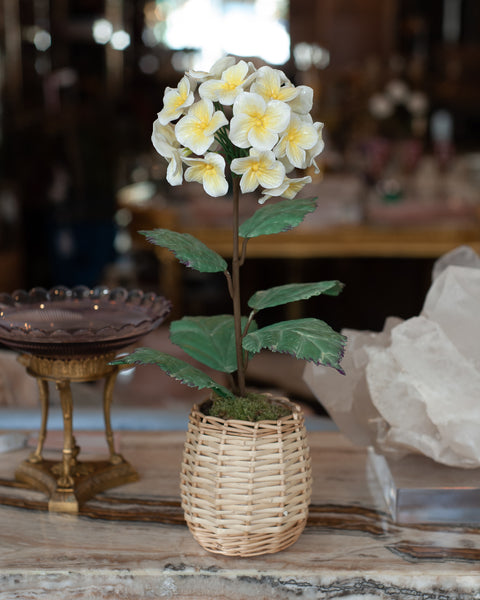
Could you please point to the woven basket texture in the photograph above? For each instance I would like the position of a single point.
(246, 486)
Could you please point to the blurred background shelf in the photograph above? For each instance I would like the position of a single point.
(81, 82)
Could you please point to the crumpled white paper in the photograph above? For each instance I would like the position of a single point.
(415, 386)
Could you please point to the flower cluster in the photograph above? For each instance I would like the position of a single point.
(253, 122)
(250, 127)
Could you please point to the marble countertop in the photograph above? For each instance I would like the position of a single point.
(131, 542)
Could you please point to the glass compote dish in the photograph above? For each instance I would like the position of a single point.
(71, 335)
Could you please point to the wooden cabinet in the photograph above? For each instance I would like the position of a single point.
(351, 30)
(11, 270)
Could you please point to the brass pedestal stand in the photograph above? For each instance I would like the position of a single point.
(69, 483)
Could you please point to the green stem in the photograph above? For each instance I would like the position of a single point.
(244, 251)
(237, 309)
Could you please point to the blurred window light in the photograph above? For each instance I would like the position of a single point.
(183, 61)
(42, 65)
(149, 38)
(250, 28)
(102, 31)
(123, 217)
(120, 40)
(150, 13)
(148, 64)
(310, 55)
(266, 38)
(42, 40)
(320, 57)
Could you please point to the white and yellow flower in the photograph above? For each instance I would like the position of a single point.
(215, 72)
(167, 145)
(288, 189)
(176, 100)
(272, 84)
(197, 129)
(302, 103)
(209, 171)
(299, 136)
(163, 139)
(270, 120)
(257, 123)
(312, 153)
(229, 86)
(259, 168)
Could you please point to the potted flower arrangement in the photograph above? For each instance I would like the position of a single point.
(246, 474)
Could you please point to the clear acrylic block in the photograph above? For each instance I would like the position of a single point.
(416, 489)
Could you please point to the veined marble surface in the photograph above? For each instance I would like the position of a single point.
(130, 543)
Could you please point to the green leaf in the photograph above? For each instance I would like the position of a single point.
(191, 252)
(278, 217)
(174, 367)
(210, 340)
(283, 294)
(307, 339)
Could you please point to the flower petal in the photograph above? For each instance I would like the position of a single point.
(277, 115)
(250, 104)
(175, 170)
(269, 84)
(273, 176)
(249, 182)
(261, 138)
(317, 149)
(210, 172)
(278, 191)
(211, 89)
(296, 155)
(175, 101)
(196, 130)
(218, 120)
(240, 165)
(226, 89)
(216, 71)
(192, 136)
(303, 101)
(163, 139)
(239, 128)
(215, 184)
(294, 186)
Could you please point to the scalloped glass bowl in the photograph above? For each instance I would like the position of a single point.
(64, 322)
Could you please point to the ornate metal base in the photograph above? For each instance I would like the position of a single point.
(89, 478)
(70, 482)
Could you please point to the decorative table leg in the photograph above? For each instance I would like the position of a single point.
(69, 483)
(36, 456)
(115, 458)
(69, 451)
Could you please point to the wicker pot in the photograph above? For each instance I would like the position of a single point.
(246, 486)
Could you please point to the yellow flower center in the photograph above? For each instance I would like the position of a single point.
(292, 135)
(179, 100)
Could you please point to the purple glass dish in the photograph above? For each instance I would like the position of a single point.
(64, 322)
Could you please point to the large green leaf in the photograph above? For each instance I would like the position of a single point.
(278, 217)
(176, 368)
(191, 252)
(307, 339)
(283, 294)
(210, 340)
